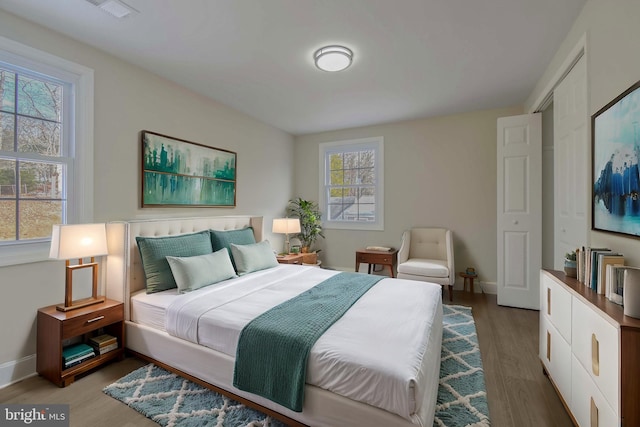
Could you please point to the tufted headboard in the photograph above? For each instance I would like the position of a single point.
(124, 274)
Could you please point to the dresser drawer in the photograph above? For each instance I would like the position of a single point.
(588, 405)
(596, 345)
(555, 354)
(91, 321)
(555, 304)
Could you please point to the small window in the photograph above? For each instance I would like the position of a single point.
(352, 184)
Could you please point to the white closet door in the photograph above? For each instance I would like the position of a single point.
(571, 163)
(519, 210)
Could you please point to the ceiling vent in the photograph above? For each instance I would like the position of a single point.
(114, 8)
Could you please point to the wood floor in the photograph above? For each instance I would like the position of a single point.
(519, 394)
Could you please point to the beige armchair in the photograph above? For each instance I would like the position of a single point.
(426, 254)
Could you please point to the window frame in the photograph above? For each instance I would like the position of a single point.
(79, 128)
(375, 143)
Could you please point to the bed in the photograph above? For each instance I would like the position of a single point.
(373, 380)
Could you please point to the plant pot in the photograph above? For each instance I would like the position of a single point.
(309, 258)
(570, 268)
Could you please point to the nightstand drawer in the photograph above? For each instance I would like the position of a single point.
(91, 321)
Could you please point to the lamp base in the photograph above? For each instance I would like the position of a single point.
(80, 303)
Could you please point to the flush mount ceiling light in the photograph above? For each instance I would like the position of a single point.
(115, 8)
(333, 58)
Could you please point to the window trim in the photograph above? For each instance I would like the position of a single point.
(80, 177)
(376, 142)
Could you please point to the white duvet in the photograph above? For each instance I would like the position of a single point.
(378, 353)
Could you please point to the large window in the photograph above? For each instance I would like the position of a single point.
(43, 179)
(352, 183)
(34, 158)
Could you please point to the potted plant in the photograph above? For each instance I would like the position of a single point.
(570, 264)
(310, 224)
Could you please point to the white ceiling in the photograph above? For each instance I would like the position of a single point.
(412, 58)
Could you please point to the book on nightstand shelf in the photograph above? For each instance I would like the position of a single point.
(76, 354)
(104, 343)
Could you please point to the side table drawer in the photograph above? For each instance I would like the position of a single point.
(375, 258)
(91, 321)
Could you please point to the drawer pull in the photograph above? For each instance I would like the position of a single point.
(96, 319)
(549, 301)
(548, 346)
(594, 414)
(595, 355)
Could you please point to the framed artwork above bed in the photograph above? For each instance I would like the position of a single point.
(176, 172)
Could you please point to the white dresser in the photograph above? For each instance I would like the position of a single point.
(591, 353)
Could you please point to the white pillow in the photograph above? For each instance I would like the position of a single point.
(196, 272)
(253, 257)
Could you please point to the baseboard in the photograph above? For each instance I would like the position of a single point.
(489, 287)
(17, 370)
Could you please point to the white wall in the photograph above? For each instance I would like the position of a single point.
(438, 172)
(613, 65)
(128, 100)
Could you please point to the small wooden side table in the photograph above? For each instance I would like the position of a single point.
(290, 259)
(384, 258)
(470, 278)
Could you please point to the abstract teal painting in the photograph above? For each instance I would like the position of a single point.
(176, 172)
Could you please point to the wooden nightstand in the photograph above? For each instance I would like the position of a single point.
(384, 258)
(55, 327)
(290, 259)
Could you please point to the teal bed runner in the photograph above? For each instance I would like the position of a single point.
(271, 359)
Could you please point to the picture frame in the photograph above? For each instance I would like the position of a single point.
(180, 173)
(615, 133)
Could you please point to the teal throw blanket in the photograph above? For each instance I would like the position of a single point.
(271, 359)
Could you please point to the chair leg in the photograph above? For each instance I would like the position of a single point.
(450, 292)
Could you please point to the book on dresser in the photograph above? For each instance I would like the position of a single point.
(594, 268)
(104, 343)
(604, 260)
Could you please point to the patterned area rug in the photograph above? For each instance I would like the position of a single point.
(462, 397)
(171, 400)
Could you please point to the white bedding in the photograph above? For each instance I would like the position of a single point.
(348, 359)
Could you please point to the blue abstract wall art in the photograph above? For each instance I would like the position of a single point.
(616, 153)
(176, 172)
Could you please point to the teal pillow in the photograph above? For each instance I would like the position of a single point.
(224, 239)
(198, 271)
(154, 252)
(253, 257)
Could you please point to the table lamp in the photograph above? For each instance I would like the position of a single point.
(286, 226)
(69, 241)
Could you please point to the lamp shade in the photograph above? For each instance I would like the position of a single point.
(70, 241)
(286, 225)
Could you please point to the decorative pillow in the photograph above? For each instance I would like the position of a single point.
(196, 272)
(253, 257)
(154, 250)
(224, 239)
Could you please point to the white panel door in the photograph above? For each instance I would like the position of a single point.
(519, 210)
(571, 163)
